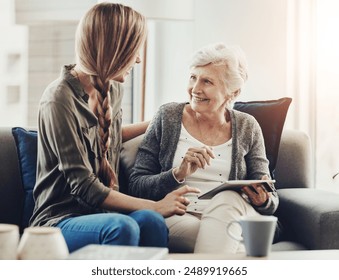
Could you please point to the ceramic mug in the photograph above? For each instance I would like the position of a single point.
(9, 240)
(42, 243)
(257, 234)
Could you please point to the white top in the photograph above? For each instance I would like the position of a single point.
(205, 179)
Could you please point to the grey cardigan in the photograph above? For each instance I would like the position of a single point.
(152, 175)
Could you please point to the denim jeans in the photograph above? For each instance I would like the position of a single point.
(139, 228)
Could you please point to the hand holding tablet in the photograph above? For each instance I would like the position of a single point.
(237, 185)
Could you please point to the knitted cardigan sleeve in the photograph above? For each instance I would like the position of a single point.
(152, 176)
(248, 155)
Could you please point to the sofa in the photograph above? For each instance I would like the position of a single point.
(308, 217)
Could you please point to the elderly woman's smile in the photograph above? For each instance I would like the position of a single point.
(199, 99)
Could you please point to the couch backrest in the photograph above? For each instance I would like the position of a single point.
(294, 166)
(11, 189)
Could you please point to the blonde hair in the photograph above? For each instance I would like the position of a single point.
(107, 39)
(231, 57)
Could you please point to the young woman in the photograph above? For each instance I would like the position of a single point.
(79, 140)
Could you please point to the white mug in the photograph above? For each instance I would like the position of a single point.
(257, 234)
(42, 243)
(9, 240)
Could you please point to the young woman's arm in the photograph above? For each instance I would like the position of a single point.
(174, 203)
(133, 130)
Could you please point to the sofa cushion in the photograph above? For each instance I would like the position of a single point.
(26, 141)
(271, 115)
(127, 158)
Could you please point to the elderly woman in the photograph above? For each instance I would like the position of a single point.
(201, 144)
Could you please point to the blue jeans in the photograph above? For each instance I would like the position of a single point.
(139, 228)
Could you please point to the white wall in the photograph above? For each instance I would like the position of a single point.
(37, 11)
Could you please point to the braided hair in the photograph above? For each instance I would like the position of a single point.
(107, 39)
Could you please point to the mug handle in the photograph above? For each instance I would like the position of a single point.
(231, 234)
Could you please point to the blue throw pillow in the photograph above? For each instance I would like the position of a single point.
(271, 115)
(27, 141)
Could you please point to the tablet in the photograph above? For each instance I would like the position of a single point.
(236, 185)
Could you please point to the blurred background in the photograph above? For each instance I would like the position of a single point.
(291, 46)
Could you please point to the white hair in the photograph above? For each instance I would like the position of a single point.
(230, 56)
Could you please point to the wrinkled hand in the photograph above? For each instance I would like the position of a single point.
(194, 158)
(175, 203)
(257, 193)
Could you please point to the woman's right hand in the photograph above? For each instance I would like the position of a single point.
(194, 158)
(175, 203)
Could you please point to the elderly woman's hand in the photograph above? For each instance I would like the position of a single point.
(194, 158)
(257, 193)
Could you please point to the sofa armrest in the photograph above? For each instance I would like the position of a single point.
(310, 217)
(11, 190)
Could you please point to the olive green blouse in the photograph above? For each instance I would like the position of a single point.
(69, 151)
